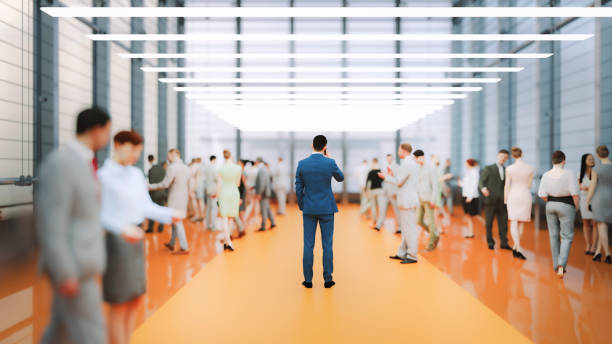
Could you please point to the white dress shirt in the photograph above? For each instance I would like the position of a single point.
(558, 183)
(469, 183)
(125, 198)
(501, 170)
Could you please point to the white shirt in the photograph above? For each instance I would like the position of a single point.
(83, 151)
(281, 177)
(469, 183)
(125, 198)
(251, 175)
(558, 182)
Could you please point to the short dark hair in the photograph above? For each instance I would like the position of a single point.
(602, 151)
(505, 151)
(418, 153)
(558, 157)
(212, 157)
(150, 157)
(128, 136)
(91, 118)
(319, 142)
(391, 155)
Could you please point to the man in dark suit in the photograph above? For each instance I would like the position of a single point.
(156, 174)
(492, 182)
(318, 205)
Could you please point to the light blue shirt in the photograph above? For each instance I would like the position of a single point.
(125, 198)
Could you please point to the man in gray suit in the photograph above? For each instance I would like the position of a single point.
(156, 174)
(210, 187)
(406, 180)
(263, 190)
(70, 234)
(177, 183)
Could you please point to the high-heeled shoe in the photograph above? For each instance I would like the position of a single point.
(227, 247)
(597, 258)
(519, 255)
(587, 252)
(608, 259)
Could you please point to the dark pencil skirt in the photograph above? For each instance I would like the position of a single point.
(125, 277)
(472, 208)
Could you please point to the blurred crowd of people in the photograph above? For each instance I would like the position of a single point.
(420, 194)
(90, 221)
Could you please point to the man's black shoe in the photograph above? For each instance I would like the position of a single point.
(329, 284)
(505, 247)
(491, 246)
(408, 261)
(396, 257)
(307, 284)
(262, 229)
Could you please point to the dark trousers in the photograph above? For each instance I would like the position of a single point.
(496, 210)
(327, 235)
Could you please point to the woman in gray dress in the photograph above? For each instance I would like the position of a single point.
(125, 204)
(600, 199)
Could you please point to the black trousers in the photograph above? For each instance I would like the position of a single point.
(496, 210)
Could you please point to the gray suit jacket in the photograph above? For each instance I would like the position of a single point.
(210, 179)
(68, 218)
(177, 183)
(406, 180)
(263, 183)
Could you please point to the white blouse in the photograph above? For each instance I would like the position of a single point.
(469, 183)
(125, 198)
(565, 184)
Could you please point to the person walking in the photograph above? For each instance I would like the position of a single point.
(584, 181)
(280, 183)
(389, 196)
(470, 196)
(316, 201)
(408, 201)
(177, 183)
(374, 191)
(125, 204)
(492, 181)
(559, 189)
(362, 178)
(263, 190)
(517, 197)
(156, 174)
(210, 188)
(427, 189)
(70, 235)
(229, 196)
(600, 199)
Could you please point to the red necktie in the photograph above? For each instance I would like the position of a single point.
(94, 167)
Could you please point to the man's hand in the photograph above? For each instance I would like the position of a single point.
(326, 153)
(485, 191)
(177, 216)
(390, 171)
(432, 205)
(381, 175)
(132, 234)
(258, 197)
(213, 196)
(468, 200)
(69, 287)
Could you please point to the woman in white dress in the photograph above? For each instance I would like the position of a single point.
(470, 195)
(584, 181)
(517, 196)
(229, 196)
(125, 204)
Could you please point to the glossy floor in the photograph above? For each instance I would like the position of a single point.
(266, 269)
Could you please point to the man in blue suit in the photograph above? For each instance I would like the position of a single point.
(316, 201)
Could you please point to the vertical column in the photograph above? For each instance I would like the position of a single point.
(603, 118)
(292, 166)
(507, 87)
(238, 76)
(344, 64)
(549, 124)
(398, 74)
(456, 109)
(101, 72)
(477, 118)
(162, 91)
(46, 115)
(180, 101)
(137, 79)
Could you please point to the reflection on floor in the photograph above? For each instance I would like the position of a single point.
(254, 293)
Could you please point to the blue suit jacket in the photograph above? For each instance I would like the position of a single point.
(313, 185)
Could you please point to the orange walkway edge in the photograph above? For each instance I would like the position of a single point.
(254, 295)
